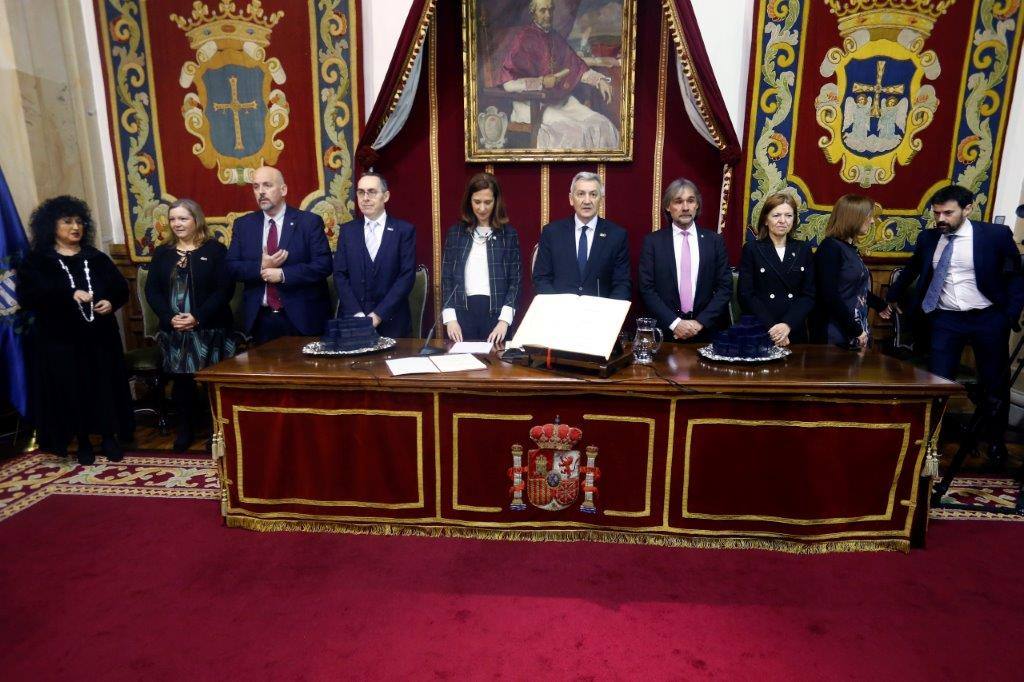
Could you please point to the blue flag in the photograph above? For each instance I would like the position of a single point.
(13, 247)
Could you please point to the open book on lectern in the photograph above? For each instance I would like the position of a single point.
(571, 323)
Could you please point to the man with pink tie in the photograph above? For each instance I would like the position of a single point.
(684, 272)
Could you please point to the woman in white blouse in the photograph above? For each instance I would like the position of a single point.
(481, 267)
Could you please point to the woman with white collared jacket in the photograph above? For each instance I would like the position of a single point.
(480, 267)
(776, 281)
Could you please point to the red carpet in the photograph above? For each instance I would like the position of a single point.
(116, 588)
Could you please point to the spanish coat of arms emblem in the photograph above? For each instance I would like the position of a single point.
(555, 471)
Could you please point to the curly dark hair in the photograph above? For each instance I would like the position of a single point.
(43, 221)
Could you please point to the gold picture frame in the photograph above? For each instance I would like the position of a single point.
(576, 104)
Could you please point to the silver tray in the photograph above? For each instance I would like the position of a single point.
(775, 353)
(317, 348)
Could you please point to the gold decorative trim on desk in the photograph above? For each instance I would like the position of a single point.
(239, 468)
(649, 421)
(456, 505)
(885, 516)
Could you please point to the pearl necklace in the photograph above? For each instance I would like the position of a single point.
(88, 284)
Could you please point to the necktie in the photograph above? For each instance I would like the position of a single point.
(685, 291)
(273, 297)
(581, 251)
(931, 297)
(372, 241)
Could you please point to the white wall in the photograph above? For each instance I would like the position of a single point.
(726, 26)
(382, 25)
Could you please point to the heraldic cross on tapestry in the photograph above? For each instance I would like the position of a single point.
(878, 103)
(554, 472)
(233, 111)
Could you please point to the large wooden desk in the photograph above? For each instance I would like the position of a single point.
(820, 452)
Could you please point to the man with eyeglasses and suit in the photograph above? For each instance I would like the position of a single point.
(375, 264)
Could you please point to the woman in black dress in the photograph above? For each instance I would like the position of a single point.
(480, 267)
(776, 274)
(189, 288)
(79, 381)
(842, 280)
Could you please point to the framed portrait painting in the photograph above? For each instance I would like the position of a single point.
(549, 80)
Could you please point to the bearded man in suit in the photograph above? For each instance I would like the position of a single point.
(281, 255)
(684, 271)
(970, 289)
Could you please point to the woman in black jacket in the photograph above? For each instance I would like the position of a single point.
(78, 378)
(480, 267)
(776, 274)
(189, 288)
(842, 280)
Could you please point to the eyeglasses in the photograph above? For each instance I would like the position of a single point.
(371, 193)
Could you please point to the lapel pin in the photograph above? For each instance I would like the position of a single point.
(202, 258)
(390, 229)
(602, 234)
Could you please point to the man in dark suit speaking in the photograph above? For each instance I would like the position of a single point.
(584, 254)
(281, 255)
(684, 271)
(970, 288)
(375, 265)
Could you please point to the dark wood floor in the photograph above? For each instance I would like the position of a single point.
(147, 438)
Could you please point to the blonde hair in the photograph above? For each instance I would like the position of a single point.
(202, 232)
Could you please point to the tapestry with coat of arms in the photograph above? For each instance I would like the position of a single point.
(891, 99)
(202, 92)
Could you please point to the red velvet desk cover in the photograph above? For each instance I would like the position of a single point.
(797, 472)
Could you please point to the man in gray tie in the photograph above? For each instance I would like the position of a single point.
(970, 288)
(375, 264)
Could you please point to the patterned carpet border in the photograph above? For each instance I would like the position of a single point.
(29, 479)
(995, 493)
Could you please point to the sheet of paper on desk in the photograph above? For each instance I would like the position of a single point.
(413, 365)
(482, 347)
(578, 324)
(435, 363)
(457, 363)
